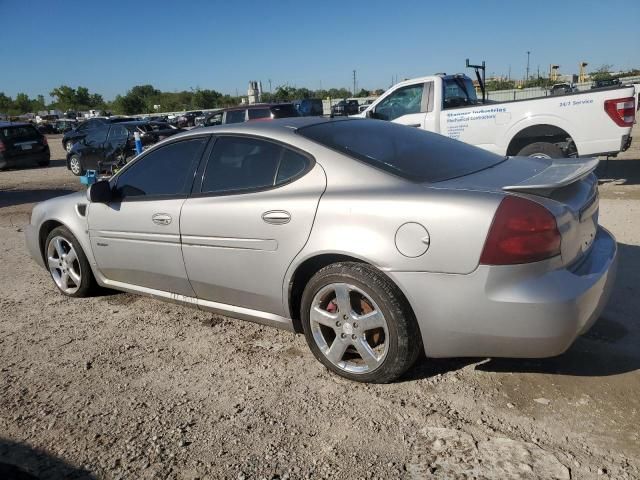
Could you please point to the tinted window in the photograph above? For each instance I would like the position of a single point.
(235, 116)
(284, 111)
(97, 135)
(19, 132)
(238, 163)
(409, 152)
(168, 170)
(459, 92)
(404, 101)
(255, 113)
(118, 131)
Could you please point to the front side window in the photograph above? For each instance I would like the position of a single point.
(404, 101)
(235, 116)
(118, 132)
(166, 171)
(240, 163)
(97, 135)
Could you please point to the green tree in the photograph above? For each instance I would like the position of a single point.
(602, 73)
(363, 93)
(22, 103)
(65, 97)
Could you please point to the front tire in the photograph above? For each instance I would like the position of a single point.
(67, 263)
(68, 146)
(75, 165)
(542, 150)
(358, 324)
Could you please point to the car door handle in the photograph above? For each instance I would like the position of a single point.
(276, 217)
(161, 218)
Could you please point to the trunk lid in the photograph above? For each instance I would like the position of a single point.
(566, 187)
(21, 140)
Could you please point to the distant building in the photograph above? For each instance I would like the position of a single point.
(254, 93)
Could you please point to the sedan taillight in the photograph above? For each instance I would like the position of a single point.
(3, 148)
(522, 231)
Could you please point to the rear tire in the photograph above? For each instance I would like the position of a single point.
(542, 150)
(375, 320)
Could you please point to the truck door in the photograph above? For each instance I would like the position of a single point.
(410, 105)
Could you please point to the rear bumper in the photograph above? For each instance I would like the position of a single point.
(24, 160)
(528, 311)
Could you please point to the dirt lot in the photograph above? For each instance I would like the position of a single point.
(121, 386)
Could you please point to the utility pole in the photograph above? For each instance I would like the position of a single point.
(269, 85)
(527, 77)
(354, 83)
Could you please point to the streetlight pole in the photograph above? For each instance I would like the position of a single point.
(527, 77)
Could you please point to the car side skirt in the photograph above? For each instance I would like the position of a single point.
(234, 311)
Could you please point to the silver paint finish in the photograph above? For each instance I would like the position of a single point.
(230, 255)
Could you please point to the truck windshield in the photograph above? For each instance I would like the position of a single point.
(407, 152)
(459, 92)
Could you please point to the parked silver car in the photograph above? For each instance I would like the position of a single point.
(376, 240)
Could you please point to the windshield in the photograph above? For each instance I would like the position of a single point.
(408, 152)
(459, 92)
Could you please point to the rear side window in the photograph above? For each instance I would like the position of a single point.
(19, 132)
(118, 132)
(255, 113)
(408, 152)
(235, 116)
(166, 171)
(239, 164)
(459, 92)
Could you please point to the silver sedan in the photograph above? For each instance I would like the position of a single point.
(376, 240)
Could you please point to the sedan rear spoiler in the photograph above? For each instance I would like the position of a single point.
(559, 173)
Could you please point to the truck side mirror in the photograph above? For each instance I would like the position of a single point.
(370, 113)
(100, 192)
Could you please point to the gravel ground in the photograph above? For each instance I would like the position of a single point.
(121, 386)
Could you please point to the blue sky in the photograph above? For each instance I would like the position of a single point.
(109, 47)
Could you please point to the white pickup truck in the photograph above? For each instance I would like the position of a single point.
(594, 122)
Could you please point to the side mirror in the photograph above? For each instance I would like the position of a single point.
(100, 192)
(370, 113)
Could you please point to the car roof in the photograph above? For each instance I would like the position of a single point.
(275, 128)
(252, 106)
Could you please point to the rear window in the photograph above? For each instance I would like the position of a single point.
(284, 111)
(256, 113)
(408, 152)
(19, 132)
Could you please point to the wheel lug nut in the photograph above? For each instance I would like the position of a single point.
(355, 324)
(344, 317)
(338, 323)
(343, 335)
(353, 337)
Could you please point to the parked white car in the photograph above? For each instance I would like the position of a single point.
(595, 122)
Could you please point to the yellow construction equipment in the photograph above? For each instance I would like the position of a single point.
(583, 73)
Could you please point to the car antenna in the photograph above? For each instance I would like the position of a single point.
(477, 68)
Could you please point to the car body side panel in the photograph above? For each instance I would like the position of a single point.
(221, 233)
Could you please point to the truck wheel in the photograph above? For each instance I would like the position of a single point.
(542, 150)
(358, 324)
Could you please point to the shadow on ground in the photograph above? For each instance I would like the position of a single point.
(608, 348)
(19, 461)
(10, 198)
(626, 172)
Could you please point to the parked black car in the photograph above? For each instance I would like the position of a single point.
(46, 128)
(73, 136)
(21, 145)
(309, 107)
(112, 145)
(344, 108)
(613, 82)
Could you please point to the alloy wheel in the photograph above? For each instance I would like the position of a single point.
(349, 328)
(64, 265)
(74, 165)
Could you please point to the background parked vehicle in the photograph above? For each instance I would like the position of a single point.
(363, 106)
(22, 145)
(614, 82)
(309, 107)
(64, 125)
(344, 108)
(46, 128)
(548, 127)
(255, 112)
(74, 135)
(562, 89)
(112, 145)
(188, 119)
